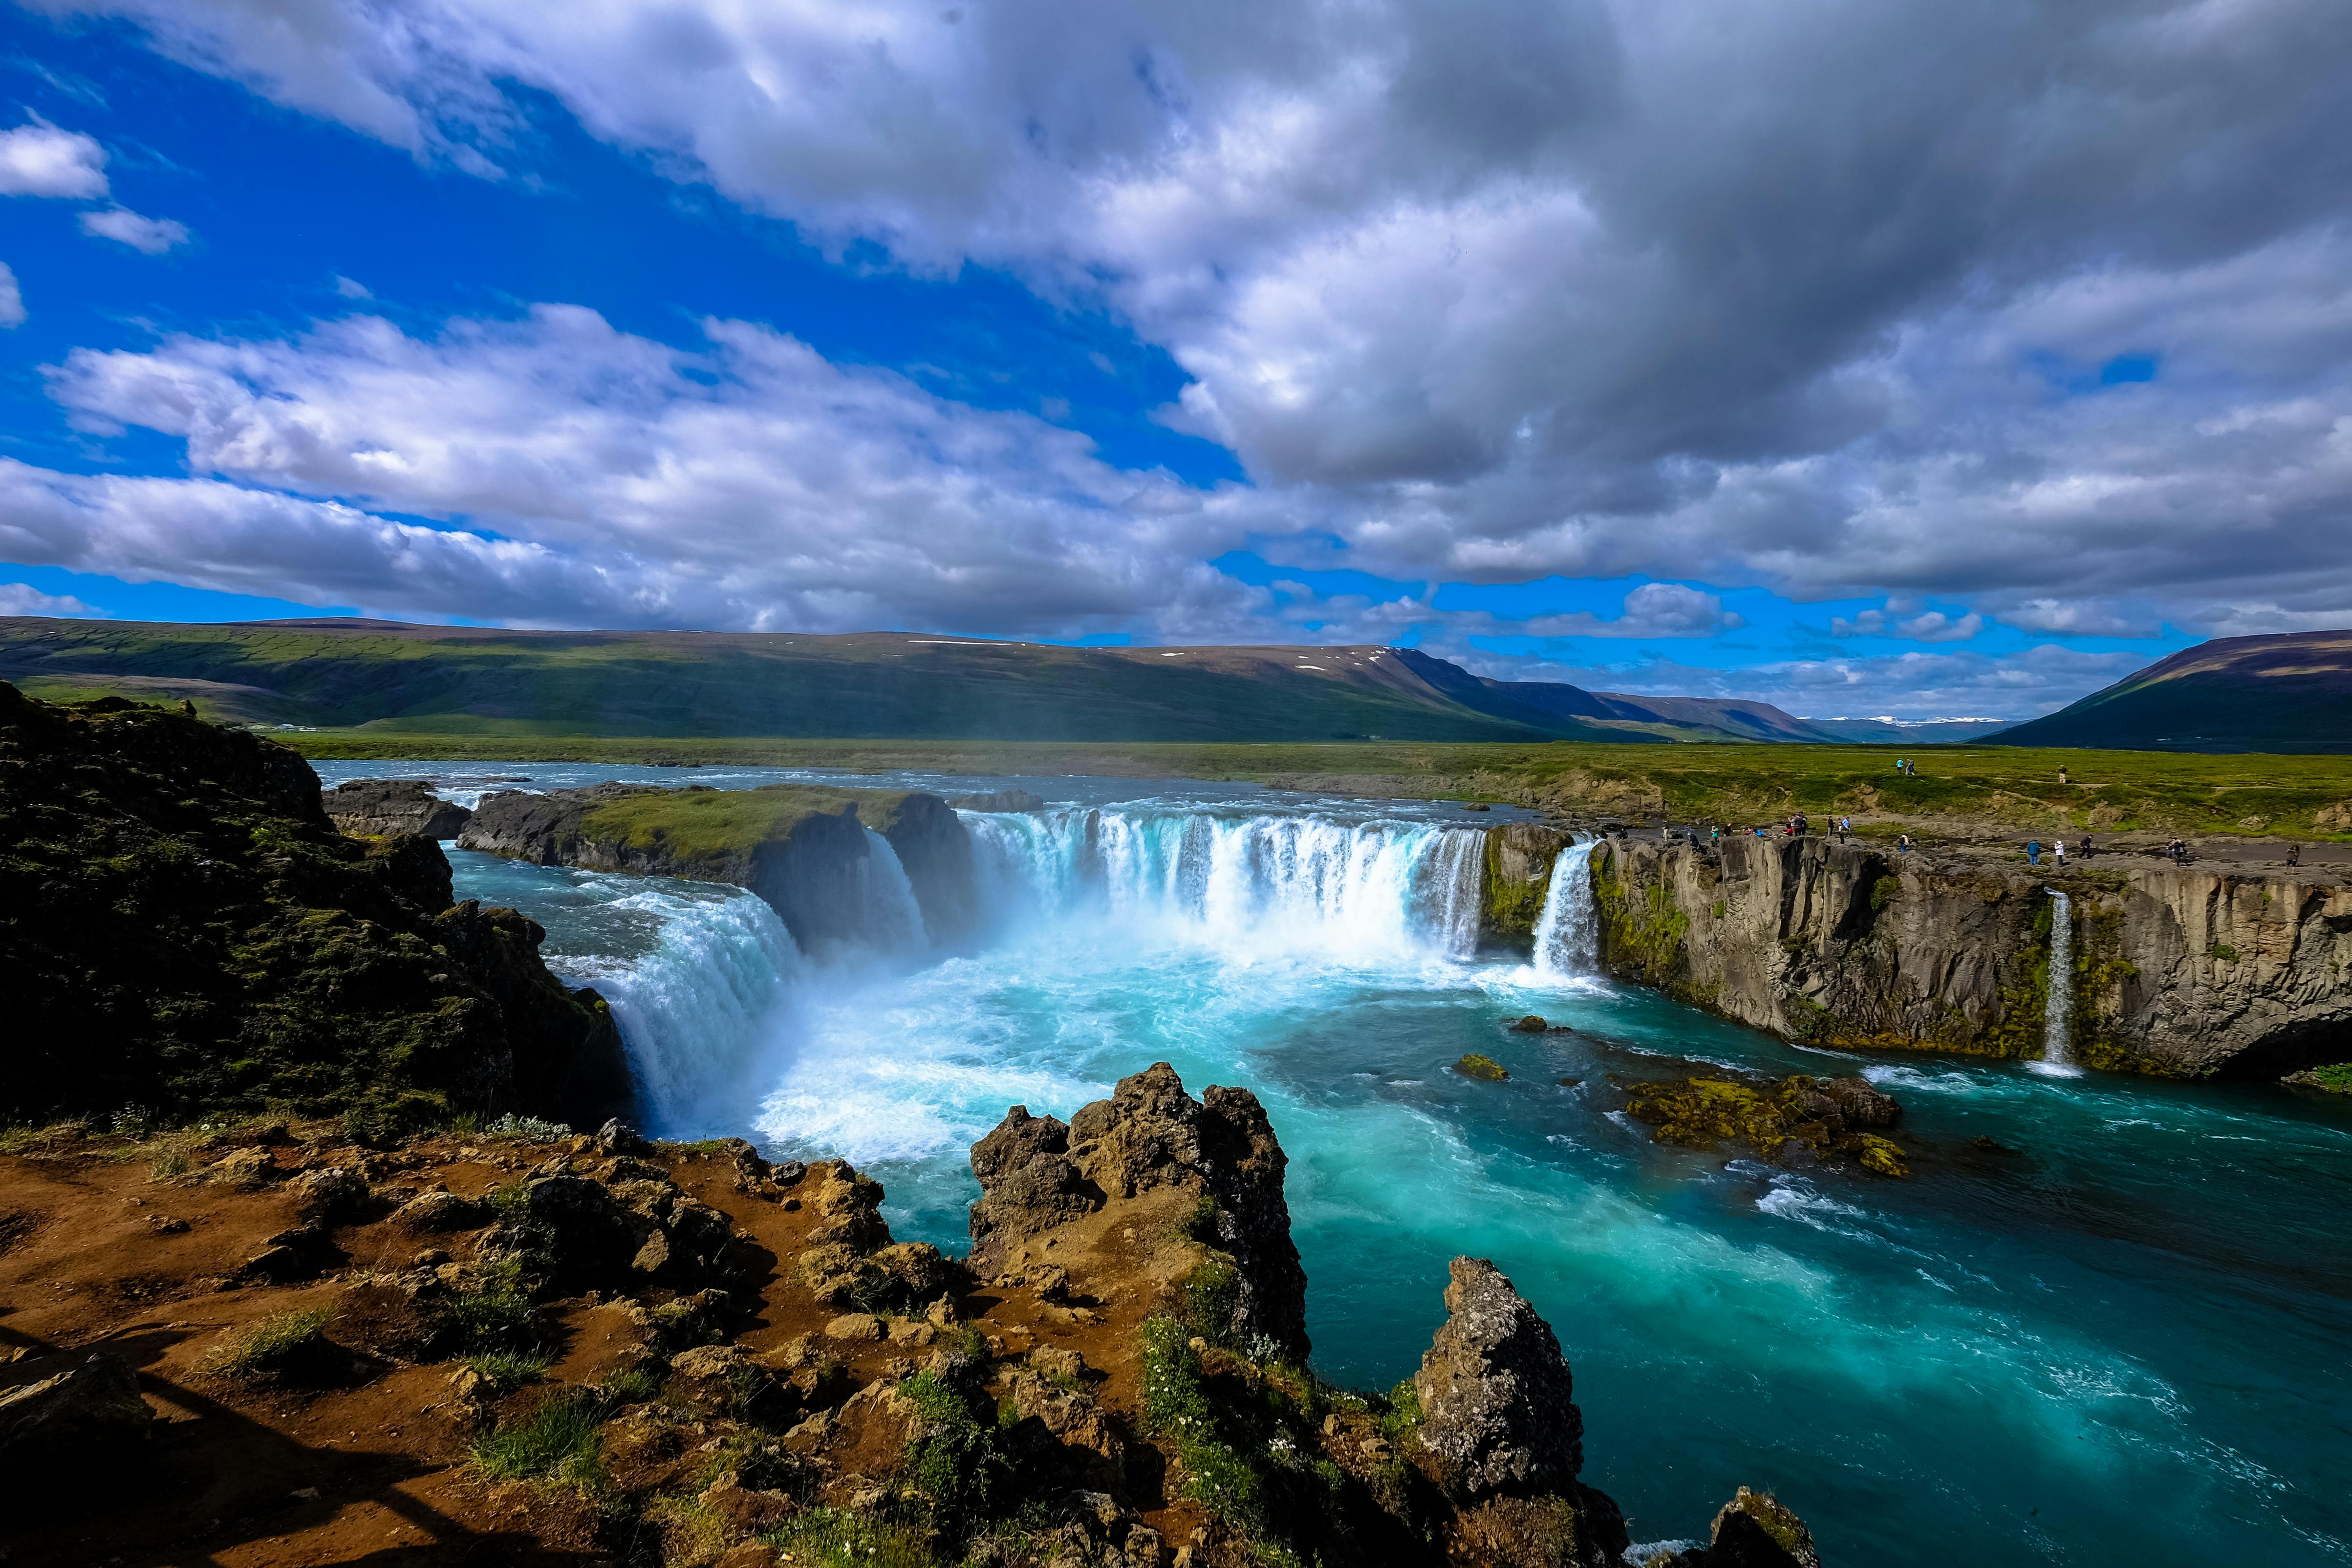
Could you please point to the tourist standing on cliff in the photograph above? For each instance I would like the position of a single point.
(2034, 852)
(2059, 851)
(1901, 843)
(1845, 826)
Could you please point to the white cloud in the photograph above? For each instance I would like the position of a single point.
(752, 484)
(1894, 621)
(40, 159)
(12, 299)
(152, 236)
(24, 599)
(2079, 617)
(350, 288)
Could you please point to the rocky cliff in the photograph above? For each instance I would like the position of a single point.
(1519, 858)
(184, 931)
(2175, 971)
(598, 1349)
(803, 849)
(377, 806)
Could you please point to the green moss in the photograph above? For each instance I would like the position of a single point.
(1483, 1068)
(2223, 952)
(1642, 931)
(717, 825)
(1207, 1295)
(1511, 906)
(1698, 1112)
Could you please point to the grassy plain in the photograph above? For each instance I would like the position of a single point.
(2293, 795)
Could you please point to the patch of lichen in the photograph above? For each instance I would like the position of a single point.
(1699, 1113)
(716, 824)
(1511, 906)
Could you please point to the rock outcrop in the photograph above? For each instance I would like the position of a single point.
(1000, 800)
(807, 851)
(1519, 861)
(374, 807)
(1796, 1119)
(69, 1409)
(1214, 1161)
(1496, 1400)
(2178, 971)
(185, 930)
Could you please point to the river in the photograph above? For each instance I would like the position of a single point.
(2104, 1323)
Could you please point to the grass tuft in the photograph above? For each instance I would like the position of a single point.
(557, 1440)
(507, 1370)
(276, 1345)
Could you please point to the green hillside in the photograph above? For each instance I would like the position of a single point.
(2291, 692)
(359, 675)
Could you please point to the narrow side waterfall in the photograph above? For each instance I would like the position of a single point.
(2058, 1010)
(1251, 884)
(1568, 930)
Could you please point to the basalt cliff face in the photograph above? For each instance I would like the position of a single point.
(185, 932)
(555, 1351)
(805, 852)
(2177, 971)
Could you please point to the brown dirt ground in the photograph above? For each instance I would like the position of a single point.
(249, 1475)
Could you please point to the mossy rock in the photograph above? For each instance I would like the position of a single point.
(1699, 1113)
(1486, 1069)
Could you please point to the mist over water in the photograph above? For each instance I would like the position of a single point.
(2114, 1337)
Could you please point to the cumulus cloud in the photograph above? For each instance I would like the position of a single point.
(150, 236)
(1895, 621)
(2080, 617)
(1817, 298)
(40, 159)
(24, 599)
(752, 484)
(12, 299)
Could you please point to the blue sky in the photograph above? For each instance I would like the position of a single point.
(904, 318)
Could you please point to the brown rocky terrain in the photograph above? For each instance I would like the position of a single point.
(371, 807)
(263, 1344)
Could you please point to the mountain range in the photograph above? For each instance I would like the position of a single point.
(390, 676)
(2289, 692)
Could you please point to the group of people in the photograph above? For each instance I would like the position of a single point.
(1908, 767)
(2058, 849)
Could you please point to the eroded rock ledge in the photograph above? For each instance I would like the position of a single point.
(582, 1349)
(2177, 971)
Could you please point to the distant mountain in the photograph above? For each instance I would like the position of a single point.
(1892, 732)
(388, 677)
(2290, 693)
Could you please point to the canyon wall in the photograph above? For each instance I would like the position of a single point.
(2177, 971)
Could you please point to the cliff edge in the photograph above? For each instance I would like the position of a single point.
(184, 933)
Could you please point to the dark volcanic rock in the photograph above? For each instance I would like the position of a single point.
(1036, 1174)
(69, 1405)
(1496, 1395)
(374, 807)
(1860, 1106)
(543, 828)
(1753, 1530)
(184, 929)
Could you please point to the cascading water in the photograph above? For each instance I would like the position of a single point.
(1567, 941)
(1243, 884)
(698, 1001)
(893, 919)
(2058, 1010)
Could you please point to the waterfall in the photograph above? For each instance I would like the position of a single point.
(1251, 883)
(2057, 1011)
(696, 1005)
(890, 916)
(1568, 930)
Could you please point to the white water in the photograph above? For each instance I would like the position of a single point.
(1568, 937)
(892, 920)
(2057, 1011)
(1244, 885)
